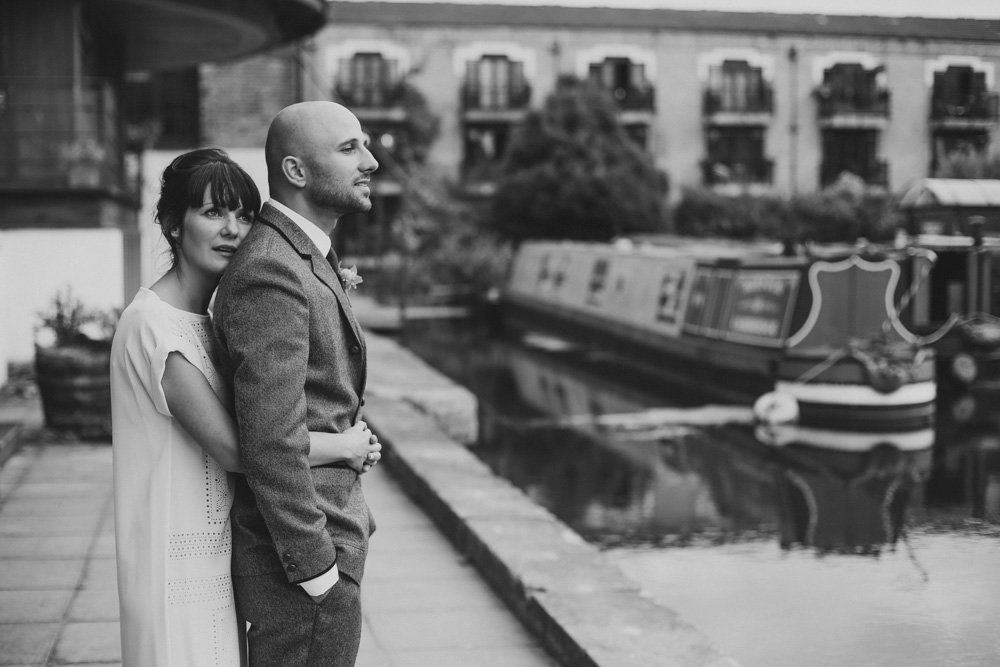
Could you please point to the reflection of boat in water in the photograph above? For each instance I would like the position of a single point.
(848, 497)
(741, 320)
(845, 441)
(617, 480)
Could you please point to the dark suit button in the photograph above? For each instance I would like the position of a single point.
(287, 556)
(355, 349)
(291, 567)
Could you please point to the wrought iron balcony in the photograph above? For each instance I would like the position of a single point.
(760, 102)
(56, 133)
(979, 106)
(724, 172)
(874, 172)
(495, 98)
(836, 102)
(366, 96)
(634, 98)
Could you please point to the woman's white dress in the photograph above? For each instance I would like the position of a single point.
(172, 500)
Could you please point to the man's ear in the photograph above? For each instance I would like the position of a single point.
(294, 171)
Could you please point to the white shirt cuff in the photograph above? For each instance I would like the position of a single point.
(321, 584)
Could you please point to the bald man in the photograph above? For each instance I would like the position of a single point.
(295, 357)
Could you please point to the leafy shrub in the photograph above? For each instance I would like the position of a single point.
(69, 322)
(844, 212)
(969, 163)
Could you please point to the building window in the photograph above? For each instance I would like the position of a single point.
(170, 100)
(853, 88)
(369, 80)
(495, 83)
(485, 144)
(737, 86)
(960, 91)
(736, 155)
(949, 143)
(853, 152)
(625, 79)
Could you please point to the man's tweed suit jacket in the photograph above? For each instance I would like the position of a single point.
(295, 357)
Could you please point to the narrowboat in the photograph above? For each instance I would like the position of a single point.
(958, 220)
(816, 334)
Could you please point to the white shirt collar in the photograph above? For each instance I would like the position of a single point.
(315, 234)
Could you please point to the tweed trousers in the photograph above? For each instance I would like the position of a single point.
(288, 629)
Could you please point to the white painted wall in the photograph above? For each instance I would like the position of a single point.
(36, 263)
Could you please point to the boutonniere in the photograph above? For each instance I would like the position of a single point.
(350, 278)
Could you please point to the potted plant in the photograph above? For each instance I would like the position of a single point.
(73, 367)
(84, 159)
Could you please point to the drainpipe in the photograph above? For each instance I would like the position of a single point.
(793, 121)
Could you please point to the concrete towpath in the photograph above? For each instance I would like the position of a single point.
(424, 605)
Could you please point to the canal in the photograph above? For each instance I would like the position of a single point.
(787, 548)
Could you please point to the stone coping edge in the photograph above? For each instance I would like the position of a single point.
(580, 604)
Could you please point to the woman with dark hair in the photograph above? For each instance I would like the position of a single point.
(174, 438)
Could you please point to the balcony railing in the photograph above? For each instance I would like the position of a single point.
(875, 172)
(714, 102)
(980, 106)
(833, 102)
(629, 98)
(56, 133)
(722, 172)
(495, 98)
(371, 96)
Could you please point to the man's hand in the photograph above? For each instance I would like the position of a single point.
(318, 599)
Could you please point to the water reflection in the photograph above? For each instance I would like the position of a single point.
(787, 547)
(588, 442)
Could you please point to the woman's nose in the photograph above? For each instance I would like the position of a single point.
(232, 226)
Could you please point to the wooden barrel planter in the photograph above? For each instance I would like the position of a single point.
(74, 383)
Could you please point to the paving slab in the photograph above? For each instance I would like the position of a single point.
(26, 643)
(33, 606)
(97, 642)
(423, 602)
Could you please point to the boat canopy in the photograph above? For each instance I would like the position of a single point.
(948, 206)
(951, 193)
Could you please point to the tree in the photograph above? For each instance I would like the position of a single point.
(571, 171)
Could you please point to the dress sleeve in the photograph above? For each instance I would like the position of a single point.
(154, 338)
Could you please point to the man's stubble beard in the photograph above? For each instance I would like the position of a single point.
(340, 200)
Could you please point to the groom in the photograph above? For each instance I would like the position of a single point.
(295, 357)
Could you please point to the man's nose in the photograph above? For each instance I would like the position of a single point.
(369, 163)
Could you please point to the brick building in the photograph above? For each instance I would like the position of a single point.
(775, 102)
(766, 102)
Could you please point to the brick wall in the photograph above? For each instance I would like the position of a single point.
(239, 98)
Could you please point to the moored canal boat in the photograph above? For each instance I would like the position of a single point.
(959, 221)
(742, 320)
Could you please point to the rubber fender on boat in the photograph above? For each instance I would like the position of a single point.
(776, 407)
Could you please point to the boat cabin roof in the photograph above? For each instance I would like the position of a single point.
(951, 193)
(699, 248)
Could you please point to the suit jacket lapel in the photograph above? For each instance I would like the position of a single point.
(320, 266)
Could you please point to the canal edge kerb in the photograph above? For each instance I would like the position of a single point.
(576, 601)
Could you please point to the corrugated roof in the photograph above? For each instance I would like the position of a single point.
(957, 192)
(450, 14)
